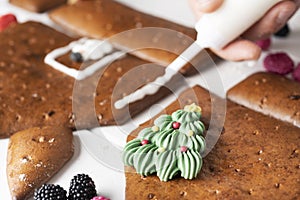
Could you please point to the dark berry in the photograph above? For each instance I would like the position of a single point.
(296, 73)
(279, 63)
(283, 32)
(6, 20)
(264, 44)
(50, 192)
(82, 187)
(76, 57)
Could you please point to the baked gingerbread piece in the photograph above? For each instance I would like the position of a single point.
(33, 93)
(38, 5)
(256, 157)
(161, 43)
(270, 94)
(34, 156)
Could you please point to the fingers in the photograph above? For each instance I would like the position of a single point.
(243, 49)
(240, 50)
(272, 21)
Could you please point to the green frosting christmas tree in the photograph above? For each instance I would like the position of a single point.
(172, 146)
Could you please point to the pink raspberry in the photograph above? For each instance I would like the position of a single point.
(264, 44)
(100, 198)
(296, 73)
(6, 20)
(279, 63)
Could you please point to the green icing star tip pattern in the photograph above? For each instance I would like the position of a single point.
(171, 147)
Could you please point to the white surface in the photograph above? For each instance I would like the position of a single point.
(111, 182)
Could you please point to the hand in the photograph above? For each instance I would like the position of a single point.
(244, 48)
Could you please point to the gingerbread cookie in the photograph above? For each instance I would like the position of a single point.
(269, 94)
(34, 156)
(253, 154)
(30, 91)
(162, 42)
(38, 5)
(33, 93)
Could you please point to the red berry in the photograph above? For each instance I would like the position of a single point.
(176, 125)
(264, 44)
(296, 73)
(279, 63)
(183, 149)
(6, 20)
(144, 142)
(100, 198)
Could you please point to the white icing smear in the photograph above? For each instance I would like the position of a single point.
(170, 71)
(90, 49)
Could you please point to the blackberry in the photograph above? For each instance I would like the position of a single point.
(50, 192)
(82, 187)
(283, 32)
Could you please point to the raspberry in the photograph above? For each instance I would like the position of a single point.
(100, 198)
(82, 188)
(6, 20)
(279, 63)
(50, 192)
(296, 73)
(283, 32)
(264, 44)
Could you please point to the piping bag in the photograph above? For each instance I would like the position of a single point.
(214, 30)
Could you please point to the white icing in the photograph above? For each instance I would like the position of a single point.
(170, 71)
(91, 49)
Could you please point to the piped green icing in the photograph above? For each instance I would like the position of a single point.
(163, 154)
(144, 159)
(189, 163)
(166, 165)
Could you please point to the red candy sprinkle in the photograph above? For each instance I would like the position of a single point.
(100, 198)
(176, 125)
(144, 142)
(6, 20)
(279, 63)
(183, 149)
(296, 73)
(264, 44)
